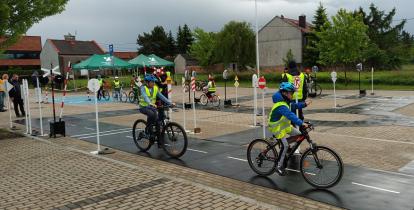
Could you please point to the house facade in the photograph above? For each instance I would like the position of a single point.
(279, 36)
(23, 55)
(60, 52)
(183, 62)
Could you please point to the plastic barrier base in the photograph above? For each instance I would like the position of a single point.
(57, 128)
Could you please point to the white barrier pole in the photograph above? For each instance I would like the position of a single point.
(255, 106)
(23, 91)
(39, 98)
(169, 87)
(372, 81)
(64, 96)
(264, 115)
(334, 95)
(28, 108)
(236, 96)
(194, 111)
(97, 125)
(9, 104)
(184, 110)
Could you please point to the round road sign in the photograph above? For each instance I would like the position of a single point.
(262, 83)
(93, 85)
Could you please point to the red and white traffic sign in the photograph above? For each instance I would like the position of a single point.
(297, 82)
(262, 83)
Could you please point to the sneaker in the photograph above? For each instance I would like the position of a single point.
(281, 171)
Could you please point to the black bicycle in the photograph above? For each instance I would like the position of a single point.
(170, 136)
(313, 88)
(320, 166)
(103, 94)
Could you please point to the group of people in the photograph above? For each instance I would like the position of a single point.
(15, 94)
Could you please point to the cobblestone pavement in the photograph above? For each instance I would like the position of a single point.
(61, 174)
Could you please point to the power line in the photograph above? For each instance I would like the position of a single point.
(406, 19)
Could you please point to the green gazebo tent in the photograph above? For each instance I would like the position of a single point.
(102, 62)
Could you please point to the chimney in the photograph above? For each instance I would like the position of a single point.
(302, 21)
(69, 37)
(282, 17)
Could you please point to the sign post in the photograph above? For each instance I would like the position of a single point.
(183, 86)
(255, 85)
(236, 84)
(169, 88)
(262, 85)
(333, 77)
(39, 98)
(25, 105)
(93, 86)
(193, 88)
(359, 69)
(225, 77)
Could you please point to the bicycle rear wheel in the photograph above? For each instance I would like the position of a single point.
(131, 97)
(215, 100)
(123, 97)
(327, 173)
(318, 90)
(175, 140)
(262, 157)
(106, 95)
(138, 134)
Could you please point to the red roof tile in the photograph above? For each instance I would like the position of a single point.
(76, 47)
(126, 55)
(20, 62)
(25, 43)
(296, 24)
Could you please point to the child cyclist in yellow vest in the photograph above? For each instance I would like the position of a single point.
(281, 117)
(117, 86)
(149, 94)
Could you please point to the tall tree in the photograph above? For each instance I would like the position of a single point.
(203, 47)
(343, 41)
(236, 43)
(311, 52)
(184, 39)
(17, 16)
(155, 42)
(171, 47)
(389, 44)
(289, 57)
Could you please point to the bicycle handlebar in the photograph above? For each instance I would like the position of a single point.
(308, 129)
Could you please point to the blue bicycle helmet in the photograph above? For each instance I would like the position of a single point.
(150, 78)
(287, 86)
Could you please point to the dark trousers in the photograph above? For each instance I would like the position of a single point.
(152, 115)
(18, 102)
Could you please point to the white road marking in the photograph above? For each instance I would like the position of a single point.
(376, 188)
(130, 137)
(366, 138)
(391, 172)
(88, 134)
(234, 158)
(194, 150)
(89, 128)
(106, 134)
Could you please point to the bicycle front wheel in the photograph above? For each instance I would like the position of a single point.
(138, 134)
(318, 90)
(262, 157)
(175, 140)
(321, 169)
(215, 100)
(203, 99)
(123, 97)
(106, 95)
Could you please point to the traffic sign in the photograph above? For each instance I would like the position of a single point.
(236, 84)
(93, 85)
(359, 67)
(236, 78)
(315, 69)
(296, 82)
(333, 76)
(254, 81)
(8, 86)
(262, 83)
(225, 74)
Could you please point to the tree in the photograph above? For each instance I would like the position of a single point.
(289, 58)
(154, 43)
(311, 52)
(18, 16)
(184, 39)
(203, 47)
(236, 44)
(171, 46)
(389, 45)
(343, 42)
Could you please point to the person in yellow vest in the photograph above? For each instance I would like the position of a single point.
(297, 78)
(117, 86)
(211, 87)
(285, 71)
(3, 80)
(281, 119)
(149, 94)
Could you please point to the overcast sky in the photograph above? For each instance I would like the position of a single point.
(120, 21)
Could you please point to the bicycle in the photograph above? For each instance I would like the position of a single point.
(103, 94)
(213, 98)
(200, 85)
(133, 95)
(120, 95)
(168, 136)
(313, 88)
(313, 162)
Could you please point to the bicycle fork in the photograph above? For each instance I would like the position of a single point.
(314, 150)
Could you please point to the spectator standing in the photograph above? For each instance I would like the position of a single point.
(16, 96)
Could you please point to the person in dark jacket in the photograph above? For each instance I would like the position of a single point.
(16, 96)
(294, 76)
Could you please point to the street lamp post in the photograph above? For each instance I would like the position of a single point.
(257, 40)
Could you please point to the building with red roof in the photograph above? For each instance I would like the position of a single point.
(126, 55)
(23, 55)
